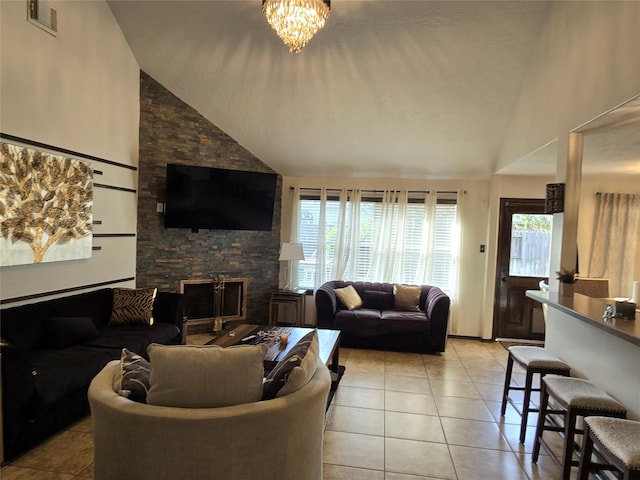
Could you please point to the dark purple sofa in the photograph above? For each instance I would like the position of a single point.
(378, 325)
(48, 360)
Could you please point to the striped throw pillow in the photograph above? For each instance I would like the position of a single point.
(132, 306)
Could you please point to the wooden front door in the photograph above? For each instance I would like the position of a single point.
(524, 245)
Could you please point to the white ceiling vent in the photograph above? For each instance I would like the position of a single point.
(42, 15)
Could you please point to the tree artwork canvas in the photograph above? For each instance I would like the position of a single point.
(45, 207)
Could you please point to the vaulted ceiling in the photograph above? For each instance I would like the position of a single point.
(400, 89)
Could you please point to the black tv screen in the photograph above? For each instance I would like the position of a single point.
(219, 199)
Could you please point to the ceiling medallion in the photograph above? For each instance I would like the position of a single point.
(296, 21)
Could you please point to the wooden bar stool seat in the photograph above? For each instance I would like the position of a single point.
(534, 360)
(617, 442)
(575, 397)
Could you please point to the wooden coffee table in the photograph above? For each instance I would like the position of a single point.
(328, 341)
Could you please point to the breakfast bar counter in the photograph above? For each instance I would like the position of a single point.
(606, 351)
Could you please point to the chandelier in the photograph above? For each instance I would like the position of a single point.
(296, 21)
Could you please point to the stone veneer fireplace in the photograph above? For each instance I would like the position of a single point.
(203, 297)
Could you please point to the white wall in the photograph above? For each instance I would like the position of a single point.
(78, 91)
(586, 61)
(467, 320)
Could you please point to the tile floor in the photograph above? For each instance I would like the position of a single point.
(395, 416)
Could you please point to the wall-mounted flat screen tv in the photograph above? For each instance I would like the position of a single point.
(219, 199)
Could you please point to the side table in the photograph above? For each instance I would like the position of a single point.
(293, 299)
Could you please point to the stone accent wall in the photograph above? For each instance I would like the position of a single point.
(173, 132)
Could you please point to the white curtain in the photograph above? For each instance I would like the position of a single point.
(615, 252)
(387, 259)
(347, 238)
(294, 235)
(322, 272)
(425, 265)
(456, 259)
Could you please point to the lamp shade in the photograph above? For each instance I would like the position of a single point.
(291, 251)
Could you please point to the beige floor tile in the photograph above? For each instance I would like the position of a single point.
(402, 476)
(356, 420)
(555, 442)
(495, 377)
(474, 433)
(407, 370)
(339, 472)
(364, 366)
(354, 450)
(86, 473)
(512, 434)
(517, 397)
(453, 373)
(411, 426)
(359, 397)
(402, 383)
(511, 415)
(468, 408)
(450, 357)
(454, 388)
(402, 357)
(418, 458)
(501, 358)
(489, 392)
(357, 353)
(68, 452)
(410, 403)
(353, 378)
(544, 469)
(483, 464)
(480, 360)
(11, 472)
(83, 426)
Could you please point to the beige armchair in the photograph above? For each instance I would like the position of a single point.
(279, 439)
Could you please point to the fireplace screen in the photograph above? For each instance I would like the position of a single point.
(203, 297)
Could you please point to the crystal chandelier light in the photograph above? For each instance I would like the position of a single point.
(296, 21)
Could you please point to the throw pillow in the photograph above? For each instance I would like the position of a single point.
(406, 297)
(132, 306)
(295, 370)
(205, 376)
(349, 297)
(131, 378)
(64, 332)
(377, 300)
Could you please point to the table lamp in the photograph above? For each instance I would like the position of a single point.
(289, 252)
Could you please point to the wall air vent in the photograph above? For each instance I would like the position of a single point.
(42, 15)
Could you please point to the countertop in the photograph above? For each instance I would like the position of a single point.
(590, 310)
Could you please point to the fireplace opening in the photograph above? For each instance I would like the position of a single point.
(203, 298)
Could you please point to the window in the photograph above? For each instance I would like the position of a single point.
(397, 241)
(530, 245)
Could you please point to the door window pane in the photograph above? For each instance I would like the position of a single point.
(530, 245)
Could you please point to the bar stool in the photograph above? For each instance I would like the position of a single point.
(617, 441)
(533, 360)
(575, 397)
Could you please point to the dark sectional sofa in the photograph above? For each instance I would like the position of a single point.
(378, 324)
(51, 352)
